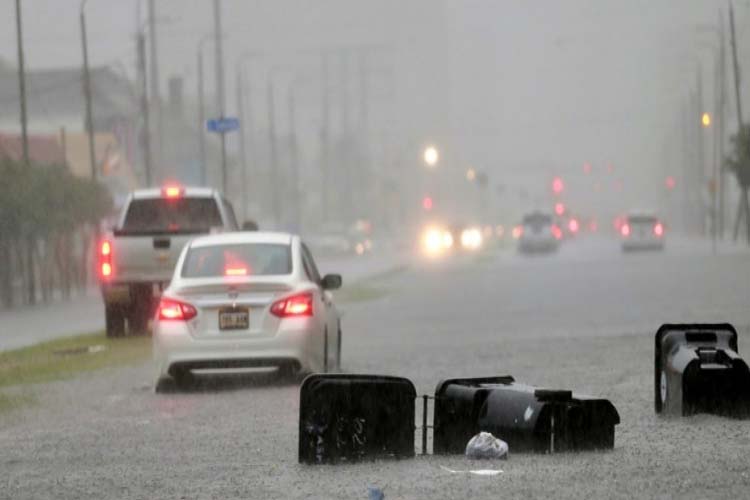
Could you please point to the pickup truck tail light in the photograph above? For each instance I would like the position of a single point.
(106, 271)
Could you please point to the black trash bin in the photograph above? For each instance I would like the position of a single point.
(352, 417)
(527, 418)
(697, 370)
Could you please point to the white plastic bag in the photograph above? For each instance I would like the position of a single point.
(485, 445)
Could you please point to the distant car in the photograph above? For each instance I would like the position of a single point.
(244, 300)
(642, 231)
(329, 243)
(467, 238)
(538, 233)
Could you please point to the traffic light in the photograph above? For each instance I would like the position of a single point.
(670, 182)
(557, 185)
(427, 203)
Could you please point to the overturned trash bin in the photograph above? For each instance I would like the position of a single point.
(351, 417)
(697, 370)
(527, 418)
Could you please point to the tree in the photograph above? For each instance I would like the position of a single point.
(41, 207)
(739, 163)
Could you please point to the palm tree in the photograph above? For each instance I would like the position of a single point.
(739, 163)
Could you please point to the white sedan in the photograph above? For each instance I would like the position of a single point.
(246, 300)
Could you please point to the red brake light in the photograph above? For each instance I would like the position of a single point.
(172, 191)
(105, 260)
(556, 232)
(235, 271)
(659, 229)
(625, 230)
(573, 225)
(297, 305)
(174, 310)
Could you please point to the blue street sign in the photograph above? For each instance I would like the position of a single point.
(221, 125)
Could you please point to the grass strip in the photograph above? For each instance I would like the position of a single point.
(63, 358)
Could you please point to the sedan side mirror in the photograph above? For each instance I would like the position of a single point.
(331, 282)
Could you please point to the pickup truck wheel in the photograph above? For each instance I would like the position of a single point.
(140, 310)
(114, 320)
(138, 319)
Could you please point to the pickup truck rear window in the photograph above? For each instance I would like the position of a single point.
(642, 219)
(248, 259)
(159, 215)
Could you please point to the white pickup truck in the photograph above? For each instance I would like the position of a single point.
(136, 260)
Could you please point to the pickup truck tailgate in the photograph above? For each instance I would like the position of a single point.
(147, 258)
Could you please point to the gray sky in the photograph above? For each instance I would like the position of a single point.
(516, 84)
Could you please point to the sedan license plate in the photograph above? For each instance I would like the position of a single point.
(234, 318)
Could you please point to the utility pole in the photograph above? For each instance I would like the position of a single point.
(143, 89)
(87, 94)
(155, 94)
(700, 171)
(345, 135)
(220, 89)
(720, 128)
(741, 207)
(324, 135)
(273, 155)
(22, 85)
(201, 115)
(736, 67)
(294, 157)
(240, 87)
(363, 178)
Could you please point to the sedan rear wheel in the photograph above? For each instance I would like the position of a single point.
(184, 379)
(338, 350)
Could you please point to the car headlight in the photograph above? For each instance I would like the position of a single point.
(471, 238)
(447, 240)
(432, 241)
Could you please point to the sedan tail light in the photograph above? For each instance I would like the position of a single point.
(296, 305)
(659, 229)
(174, 310)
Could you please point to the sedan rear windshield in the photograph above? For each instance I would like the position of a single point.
(161, 215)
(253, 259)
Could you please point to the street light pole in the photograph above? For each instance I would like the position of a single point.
(324, 135)
(246, 130)
(272, 145)
(143, 84)
(220, 89)
(202, 113)
(87, 92)
(240, 88)
(155, 92)
(22, 85)
(294, 155)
